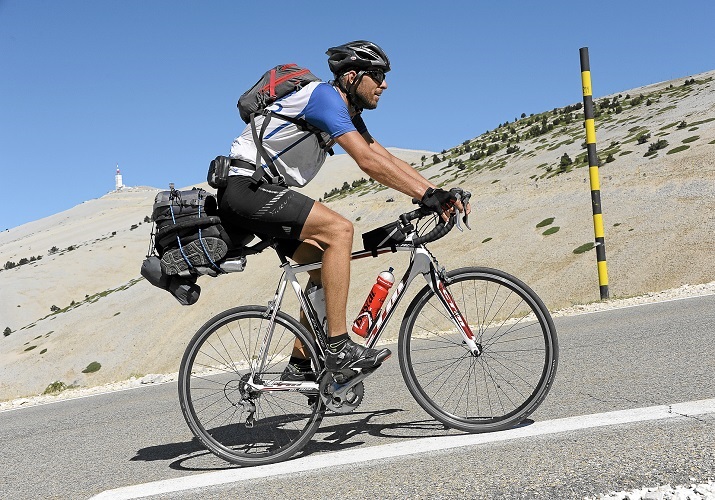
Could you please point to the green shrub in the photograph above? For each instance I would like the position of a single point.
(92, 367)
(584, 248)
(55, 388)
(551, 230)
(659, 144)
(691, 139)
(546, 222)
(678, 149)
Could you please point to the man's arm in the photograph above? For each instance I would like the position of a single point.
(407, 170)
(401, 164)
(382, 166)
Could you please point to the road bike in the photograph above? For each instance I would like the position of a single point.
(477, 350)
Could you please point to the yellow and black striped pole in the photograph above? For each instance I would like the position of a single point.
(593, 173)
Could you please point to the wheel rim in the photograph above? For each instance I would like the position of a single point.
(220, 402)
(507, 380)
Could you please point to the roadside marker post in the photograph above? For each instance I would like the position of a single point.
(593, 173)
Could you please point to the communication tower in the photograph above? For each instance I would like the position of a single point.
(118, 179)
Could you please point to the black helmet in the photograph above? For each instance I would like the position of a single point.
(359, 55)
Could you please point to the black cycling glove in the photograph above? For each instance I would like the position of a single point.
(438, 200)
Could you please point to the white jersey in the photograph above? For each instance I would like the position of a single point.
(296, 153)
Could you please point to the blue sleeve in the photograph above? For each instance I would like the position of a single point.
(327, 111)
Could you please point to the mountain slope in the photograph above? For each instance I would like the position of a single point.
(658, 214)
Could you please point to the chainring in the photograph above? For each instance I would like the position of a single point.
(346, 404)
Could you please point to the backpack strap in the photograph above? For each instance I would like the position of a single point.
(271, 172)
(303, 124)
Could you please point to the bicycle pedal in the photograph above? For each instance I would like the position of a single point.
(343, 376)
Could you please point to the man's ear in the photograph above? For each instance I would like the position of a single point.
(349, 77)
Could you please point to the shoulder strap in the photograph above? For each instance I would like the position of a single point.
(271, 171)
(303, 124)
(274, 176)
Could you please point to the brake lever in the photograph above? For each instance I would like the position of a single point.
(464, 200)
(456, 222)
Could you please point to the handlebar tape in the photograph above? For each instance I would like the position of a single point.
(437, 232)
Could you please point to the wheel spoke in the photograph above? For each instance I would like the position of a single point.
(511, 375)
(233, 419)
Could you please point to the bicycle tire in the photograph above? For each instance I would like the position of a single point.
(498, 389)
(212, 387)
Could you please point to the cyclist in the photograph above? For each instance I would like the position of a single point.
(308, 230)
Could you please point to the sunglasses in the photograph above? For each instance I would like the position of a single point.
(377, 75)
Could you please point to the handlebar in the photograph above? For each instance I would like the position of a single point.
(442, 228)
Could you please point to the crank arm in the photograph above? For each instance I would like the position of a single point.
(340, 390)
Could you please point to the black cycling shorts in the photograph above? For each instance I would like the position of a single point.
(265, 209)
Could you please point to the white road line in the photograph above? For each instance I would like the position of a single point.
(411, 447)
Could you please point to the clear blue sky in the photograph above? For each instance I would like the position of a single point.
(152, 84)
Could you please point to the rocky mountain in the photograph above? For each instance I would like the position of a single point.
(71, 293)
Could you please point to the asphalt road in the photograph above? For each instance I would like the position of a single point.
(622, 359)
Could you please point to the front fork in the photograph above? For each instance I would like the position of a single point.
(436, 280)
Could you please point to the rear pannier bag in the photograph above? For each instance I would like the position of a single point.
(189, 234)
(188, 241)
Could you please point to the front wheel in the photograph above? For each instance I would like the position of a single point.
(225, 412)
(498, 388)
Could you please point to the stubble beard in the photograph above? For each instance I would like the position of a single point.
(364, 102)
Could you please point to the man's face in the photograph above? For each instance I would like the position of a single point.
(371, 86)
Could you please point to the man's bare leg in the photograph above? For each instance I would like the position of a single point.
(334, 234)
(309, 251)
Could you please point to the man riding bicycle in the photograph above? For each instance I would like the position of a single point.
(308, 230)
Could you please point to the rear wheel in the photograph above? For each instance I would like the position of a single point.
(500, 387)
(229, 416)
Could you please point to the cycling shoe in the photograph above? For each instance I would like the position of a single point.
(293, 374)
(354, 355)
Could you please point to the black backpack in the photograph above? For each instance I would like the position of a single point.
(275, 83)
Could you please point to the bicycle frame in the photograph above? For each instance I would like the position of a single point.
(421, 262)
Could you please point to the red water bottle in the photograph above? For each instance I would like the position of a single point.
(373, 304)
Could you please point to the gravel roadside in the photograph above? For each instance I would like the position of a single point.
(683, 292)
